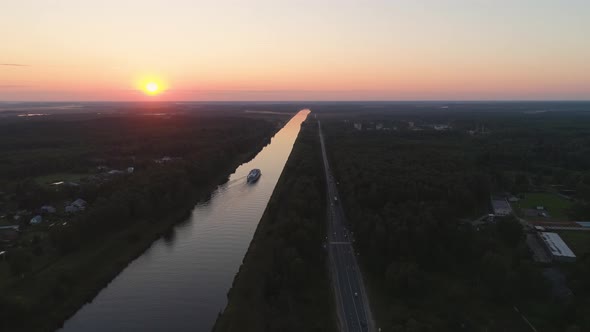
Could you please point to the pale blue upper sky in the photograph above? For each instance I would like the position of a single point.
(261, 49)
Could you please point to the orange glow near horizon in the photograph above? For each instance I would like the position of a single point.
(300, 50)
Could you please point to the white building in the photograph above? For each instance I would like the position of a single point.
(441, 127)
(556, 247)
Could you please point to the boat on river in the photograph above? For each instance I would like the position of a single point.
(254, 175)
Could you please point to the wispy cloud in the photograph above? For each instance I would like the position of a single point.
(13, 65)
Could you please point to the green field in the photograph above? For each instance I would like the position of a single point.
(46, 180)
(556, 206)
(578, 241)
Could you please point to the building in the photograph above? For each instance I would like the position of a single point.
(76, 206)
(164, 160)
(513, 199)
(501, 207)
(71, 209)
(441, 127)
(36, 220)
(48, 209)
(558, 249)
(80, 204)
(65, 184)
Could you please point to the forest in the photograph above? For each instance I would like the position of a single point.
(411, 181)
(283, 283)
(138, 174)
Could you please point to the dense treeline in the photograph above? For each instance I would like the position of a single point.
(535, 152)
(518, 145)
(407, 194)
(125, 214)
(283, 282)
(65, 144)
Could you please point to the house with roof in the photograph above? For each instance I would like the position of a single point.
(71, 209)
(501, 207)
(36, 220)
(76, 206)
(48, 209)
(80, 204)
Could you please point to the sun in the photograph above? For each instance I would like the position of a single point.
(151, 85)
(152, 88)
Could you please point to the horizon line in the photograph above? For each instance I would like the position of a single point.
(301, 101)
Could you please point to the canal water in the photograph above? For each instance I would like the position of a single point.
(180, 283)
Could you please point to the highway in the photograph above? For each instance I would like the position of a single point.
(352, 304)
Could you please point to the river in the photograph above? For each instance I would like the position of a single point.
(180, 283)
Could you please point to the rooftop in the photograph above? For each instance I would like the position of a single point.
(556, 245)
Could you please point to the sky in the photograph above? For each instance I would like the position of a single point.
(87, 50)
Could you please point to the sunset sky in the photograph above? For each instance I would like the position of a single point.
(294, 50)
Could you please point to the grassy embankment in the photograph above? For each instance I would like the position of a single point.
(578, 241)
(91, 268)
(283, 282)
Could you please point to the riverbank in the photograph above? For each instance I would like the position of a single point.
(81, 275)
(283, 283)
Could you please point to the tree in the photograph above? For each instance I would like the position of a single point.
(20, 261)
(510, 231)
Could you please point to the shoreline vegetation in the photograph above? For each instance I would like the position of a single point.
(44, 299)
(283, 282)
